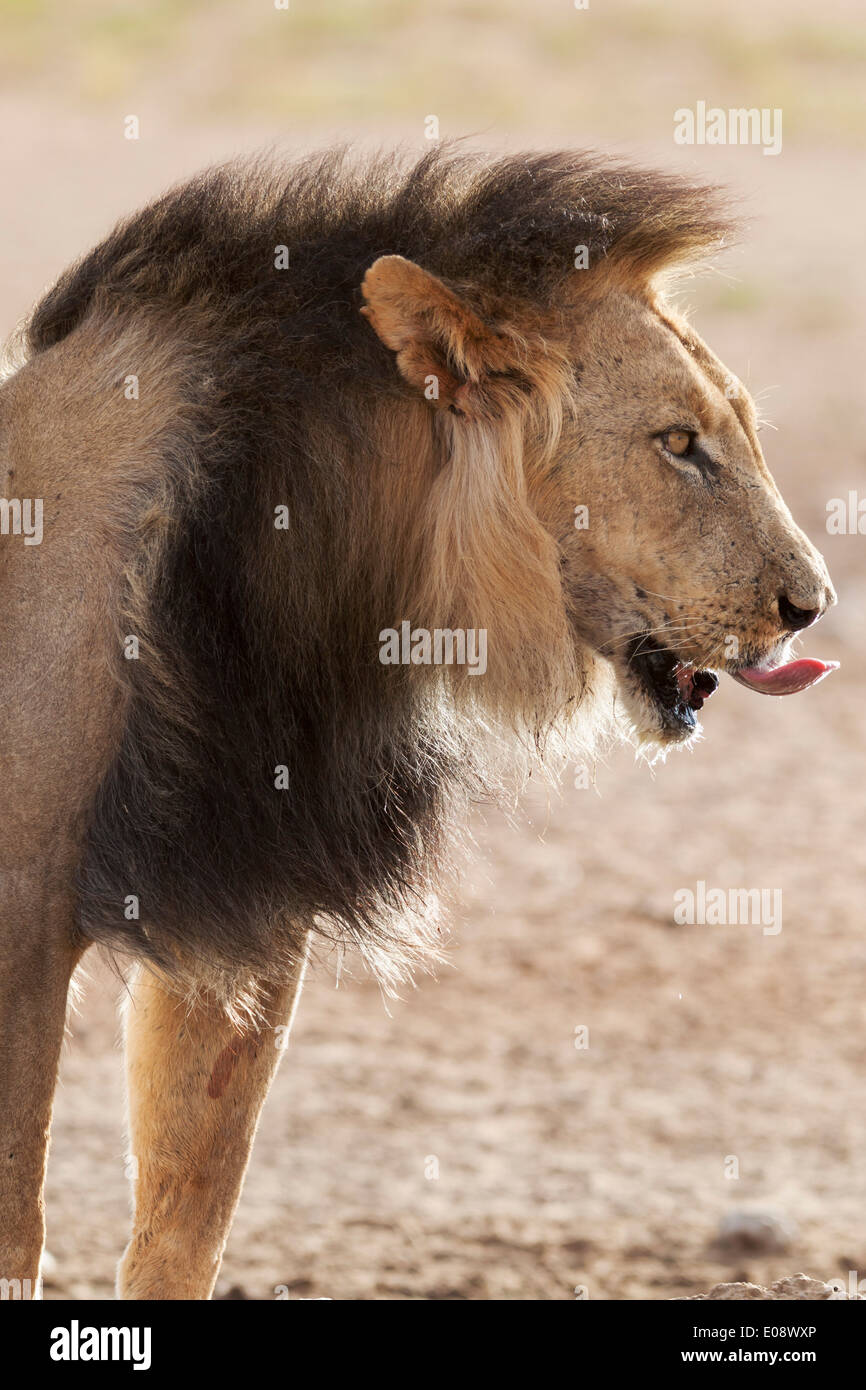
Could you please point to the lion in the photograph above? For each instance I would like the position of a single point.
(306, 435)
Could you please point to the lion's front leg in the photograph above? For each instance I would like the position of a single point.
(37, 958)
(196, 1088)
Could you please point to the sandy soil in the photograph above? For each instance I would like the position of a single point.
(602, 1169)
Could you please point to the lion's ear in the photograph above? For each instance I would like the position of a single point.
(443, 348)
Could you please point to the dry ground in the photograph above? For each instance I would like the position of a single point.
(557, 1168)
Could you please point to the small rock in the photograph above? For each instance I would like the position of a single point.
(744, 1232)
(795, 1287)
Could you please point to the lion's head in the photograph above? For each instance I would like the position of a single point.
(604, 478)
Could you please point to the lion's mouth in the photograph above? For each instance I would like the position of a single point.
(676, 689)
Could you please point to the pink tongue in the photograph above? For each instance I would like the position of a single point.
(787, 680)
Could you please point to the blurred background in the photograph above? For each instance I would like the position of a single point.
(456, 1144)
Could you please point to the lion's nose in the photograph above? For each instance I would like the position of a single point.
(794, 619)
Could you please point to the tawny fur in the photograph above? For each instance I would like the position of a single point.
(431, 388)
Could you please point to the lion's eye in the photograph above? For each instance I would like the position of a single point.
(678, 442)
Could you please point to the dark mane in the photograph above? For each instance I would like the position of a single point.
(509, 224)
(256, 645)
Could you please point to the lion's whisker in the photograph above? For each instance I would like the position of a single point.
(681, 630)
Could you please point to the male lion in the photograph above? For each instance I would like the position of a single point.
(273, 418)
